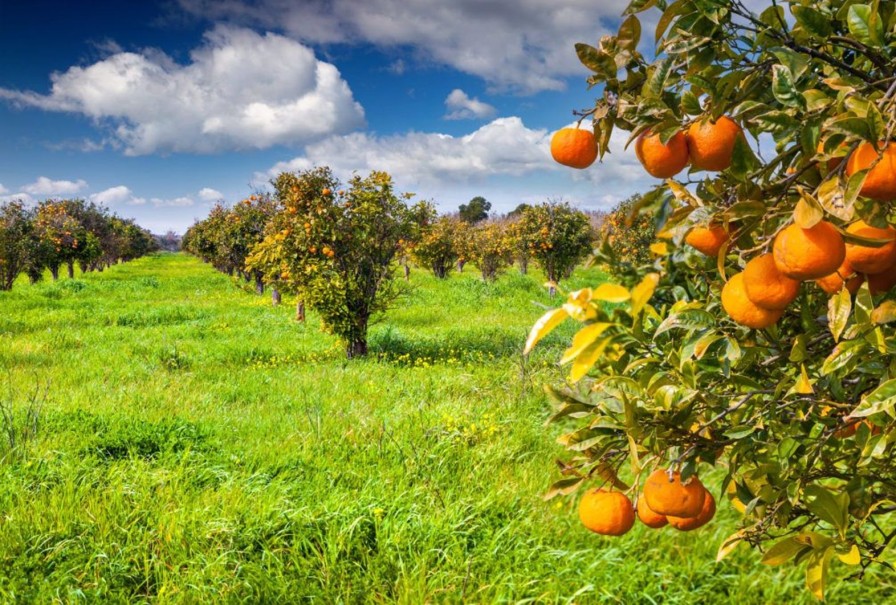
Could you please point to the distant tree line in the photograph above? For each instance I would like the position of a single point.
(65, 233)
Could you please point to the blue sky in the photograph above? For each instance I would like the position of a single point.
(158, 109)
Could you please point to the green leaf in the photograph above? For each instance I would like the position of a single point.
(850, 125)
(638, 6)
(597, 61)
(882, 399)
(797, 63)
(690, 104)
(783, 551)
(564, 487)
(673, 10)
(829, 507)
(865, 24)
(543, 327)
(775, 121)
(656, 84)
(629, 33)
(743, 160)
(817, 570)
(839, 308)
(813, 21)
(844, 354)
(784, 87)
(689, 319)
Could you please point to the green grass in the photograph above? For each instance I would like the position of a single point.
(198, 445)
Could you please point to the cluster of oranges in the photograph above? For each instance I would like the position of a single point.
(706, 146)
(665, 500)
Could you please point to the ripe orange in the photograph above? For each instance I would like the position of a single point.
(325, 192)
(805, 254)
(866, 259)
(574, 147)
(880, 183)
(606, 513)
(744, 311)
(662, 160)
(833, 283)
(650, 518)
(672, 497)
(708, 240)
(882, 282)
(766, 287)
(711, 145)
(706, 514)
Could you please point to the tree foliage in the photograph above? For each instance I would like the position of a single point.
(670, 380)
(627, 235)
(475, 211)
(559, 237)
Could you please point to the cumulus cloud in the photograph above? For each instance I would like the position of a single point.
(21, 196)
(117, 196)
(178, 202)
(46, 186)
(522, 45)
(3, 189)
(504, 146)
(207, 194)
(240, 90)
(462, 107)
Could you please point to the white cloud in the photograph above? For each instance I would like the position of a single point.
(462, 107)
(117, 196)
(240, 90)
(502, 147)
(523, 45)
(3, 189)
(178, 202)
(18, 197)
(46, 186)
(207, 194)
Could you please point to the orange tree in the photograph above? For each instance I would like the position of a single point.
(336, 247)
(491, 248)
(60, 234)
(436, 246)
(559, 238)
(797, 409)
(626, 236)
(15, 236)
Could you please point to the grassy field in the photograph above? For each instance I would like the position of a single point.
(198, 445)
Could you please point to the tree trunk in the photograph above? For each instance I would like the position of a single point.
(275, 296)
(356, 348)
(54, 271)
(524, 266)
(71, 269)
(300, 310)
(460, 266)
(407, 273)
(259, 286)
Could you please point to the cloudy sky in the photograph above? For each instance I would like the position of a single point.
(159, 108)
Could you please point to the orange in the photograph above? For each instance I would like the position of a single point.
(766, 287)
(574, 147)
(706, 514)
(708, 240)
(662, 160)
(711, 145)
(805, 254)
(833, 162)
(882, 282)
(672, 497)
(606, 513)
(867, 259)
(880, 183)
(833, 283)
(650, 518)
(742, 310)
(325, 192)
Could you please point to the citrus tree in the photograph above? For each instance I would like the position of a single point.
(559, 237)
(761, 342)
(627, 235)
(436, 246)
(15, 234)
(491, 248)
(336, 247)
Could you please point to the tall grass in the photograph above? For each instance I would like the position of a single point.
(198, 445)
